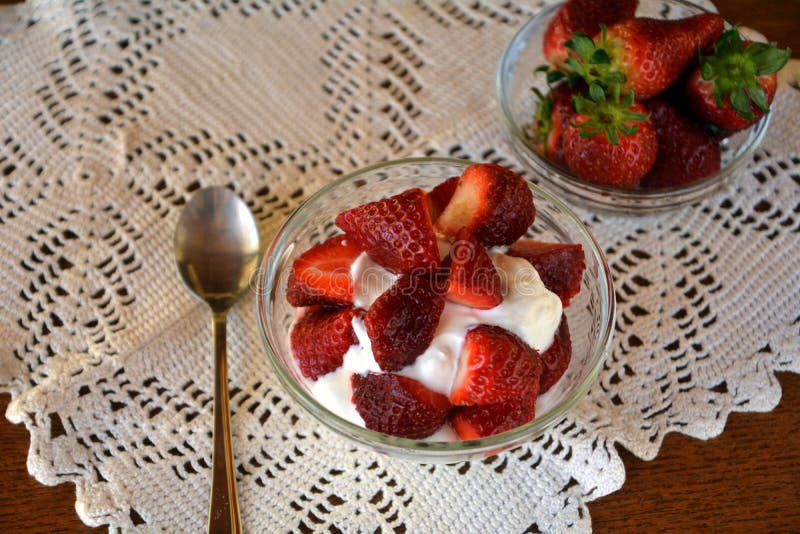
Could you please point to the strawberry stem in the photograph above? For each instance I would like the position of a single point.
(610, 115)
(735, 68)
(592, 62)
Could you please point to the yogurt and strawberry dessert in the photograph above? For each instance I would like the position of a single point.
(430, 317)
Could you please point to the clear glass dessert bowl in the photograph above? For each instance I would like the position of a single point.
(590, 314)
(517, 105)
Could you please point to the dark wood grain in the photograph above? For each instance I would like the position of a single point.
(746, 480)
(26, 505)
(776, 19)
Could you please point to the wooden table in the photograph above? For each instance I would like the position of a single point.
(746, 480)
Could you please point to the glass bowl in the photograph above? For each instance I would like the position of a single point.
(517, 104)
(590, 314)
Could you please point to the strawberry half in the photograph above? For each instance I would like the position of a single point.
(583, 16)
(473, 422)
(560, 265)
(610, 140)
(321, 337)
(473, 280)
(494, 204)
(687, 152)
(396, 232)
(734, 87)
(402, 320)
(495, 366)
(398, 405)
(645, 55)
(321, 275)
(441, 195)
(555, 359)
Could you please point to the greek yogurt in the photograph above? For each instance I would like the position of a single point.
(528, 310)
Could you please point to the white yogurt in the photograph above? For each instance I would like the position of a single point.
(529, 310)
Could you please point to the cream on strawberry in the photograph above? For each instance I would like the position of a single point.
(529, 310)
(421, 332)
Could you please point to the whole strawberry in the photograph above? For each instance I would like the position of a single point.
(583, 16)
(686, 151)
(645, 55)
(610, 141)
(733, 87)
(552, 117)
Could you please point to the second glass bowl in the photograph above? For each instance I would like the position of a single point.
(590, 314)
(517, 103)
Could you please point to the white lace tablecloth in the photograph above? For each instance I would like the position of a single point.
(112, 113)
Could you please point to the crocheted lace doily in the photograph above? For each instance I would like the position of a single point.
(112, 113)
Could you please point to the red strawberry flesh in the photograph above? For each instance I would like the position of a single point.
(560, 265)
(555, 359)
(474, 422)
(402, 320)
(686, 151)
(494, 204)
(320, 338)
(398, 405)
(495, 366)
(396, 232)
(473, 280)
(321, 275)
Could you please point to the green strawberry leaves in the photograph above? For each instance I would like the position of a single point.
(591, 61)
(610, 115)
(735, 69)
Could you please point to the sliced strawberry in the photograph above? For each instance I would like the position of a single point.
(493, 203)
(441, 195)
(495, 366)
(321, 275)
(555, 359)
(560, 265)
(473, 280)
(398, 405)
(473, 422)
(396, 232)
(320, 338)
(402, 320)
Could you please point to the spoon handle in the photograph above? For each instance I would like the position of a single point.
(223, 509)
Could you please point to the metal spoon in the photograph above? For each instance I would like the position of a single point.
(216, 249)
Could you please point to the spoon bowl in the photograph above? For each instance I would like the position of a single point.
(216, 251)
(216, 246)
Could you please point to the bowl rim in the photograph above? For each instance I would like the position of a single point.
(648, 200)
(281, 245)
